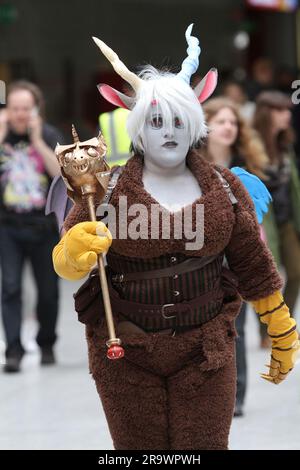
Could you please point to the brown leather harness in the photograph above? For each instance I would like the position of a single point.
(154, 317)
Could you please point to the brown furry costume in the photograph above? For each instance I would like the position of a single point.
(178, 392)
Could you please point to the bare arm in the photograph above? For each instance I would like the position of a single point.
(47, 154)
(49, 158)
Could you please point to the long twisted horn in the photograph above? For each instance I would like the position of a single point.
(118, 65)
(191, 63)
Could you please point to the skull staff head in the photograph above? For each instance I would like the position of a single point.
(83, 166)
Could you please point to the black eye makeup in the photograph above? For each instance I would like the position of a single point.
(178, 123)
(156, 121)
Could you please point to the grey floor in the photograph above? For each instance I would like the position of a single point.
(58, 407)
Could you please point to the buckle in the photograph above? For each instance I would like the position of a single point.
(163, 311)
(117, 277)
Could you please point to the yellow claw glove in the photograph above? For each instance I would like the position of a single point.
(274, 312)
(76, 253)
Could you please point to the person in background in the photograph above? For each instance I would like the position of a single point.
(262, 77)
(231, 143)
(272, 120)
(27, 166)
(285, 76)
(235, 91)
(113, 127)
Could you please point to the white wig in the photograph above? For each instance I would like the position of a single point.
(175, 98)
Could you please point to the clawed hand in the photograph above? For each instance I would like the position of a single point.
(279, 369)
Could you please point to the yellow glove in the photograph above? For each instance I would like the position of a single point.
(282, 330)
(76, 253)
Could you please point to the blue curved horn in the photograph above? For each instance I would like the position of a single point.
(191, 62)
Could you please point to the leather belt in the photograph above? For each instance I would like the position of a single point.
(154, 317)
(189, 265)
(167, 315)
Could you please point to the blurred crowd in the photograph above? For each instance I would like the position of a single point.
(253, 124)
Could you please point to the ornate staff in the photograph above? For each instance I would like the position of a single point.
(86, 176)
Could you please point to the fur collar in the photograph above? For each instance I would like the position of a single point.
(218, 212)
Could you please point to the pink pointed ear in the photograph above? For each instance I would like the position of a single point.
(207, 85)
(116, 97)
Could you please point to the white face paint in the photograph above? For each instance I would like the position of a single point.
(165, 146)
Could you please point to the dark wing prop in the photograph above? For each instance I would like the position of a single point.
(58, 201)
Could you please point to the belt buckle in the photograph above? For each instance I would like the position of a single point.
(117, 278)
(163, 311)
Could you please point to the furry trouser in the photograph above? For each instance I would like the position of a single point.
(168, 392)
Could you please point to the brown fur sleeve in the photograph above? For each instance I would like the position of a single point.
(78, 213)
(247, 254)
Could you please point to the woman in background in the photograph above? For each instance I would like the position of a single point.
(272, 120)
(231, 143)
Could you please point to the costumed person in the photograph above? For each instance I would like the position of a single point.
(231, 142)
(174, 304)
